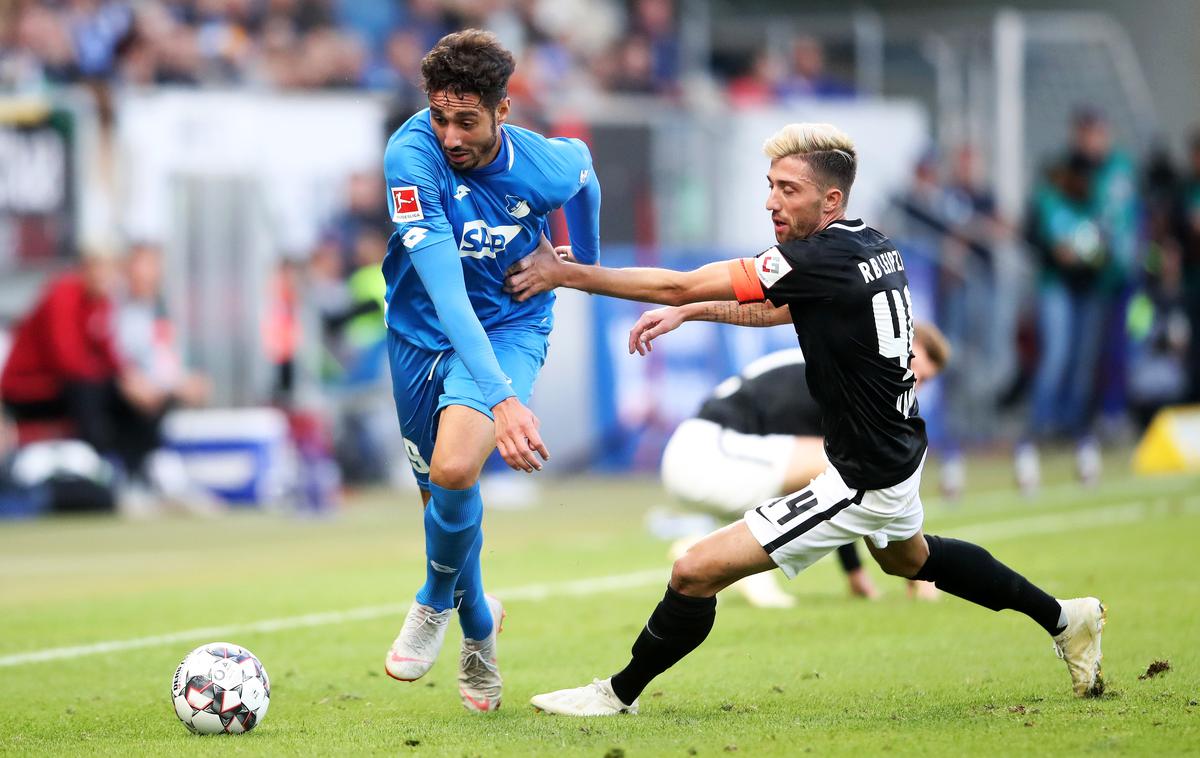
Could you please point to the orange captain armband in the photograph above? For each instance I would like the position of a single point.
(746, 286)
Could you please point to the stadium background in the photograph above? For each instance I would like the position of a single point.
(244, 139)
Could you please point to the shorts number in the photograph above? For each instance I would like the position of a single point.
(414, 457)
(784, 509)
(894, 329)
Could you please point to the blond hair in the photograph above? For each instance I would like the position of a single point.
(827, 150)
(937, 347)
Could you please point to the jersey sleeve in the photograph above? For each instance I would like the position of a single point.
(790, 272)
(414, 199)
(582, 207)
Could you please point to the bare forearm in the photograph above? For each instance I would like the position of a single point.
(650, 285)
(741, 314)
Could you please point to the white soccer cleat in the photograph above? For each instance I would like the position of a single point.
(763, 591)
(1079, 644)
(479, 682)
(418, 644)
(595, 699)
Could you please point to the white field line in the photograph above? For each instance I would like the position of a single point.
(1054, 523)
(365, 613)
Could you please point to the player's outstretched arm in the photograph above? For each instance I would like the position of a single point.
(655, 323)
(544, 270)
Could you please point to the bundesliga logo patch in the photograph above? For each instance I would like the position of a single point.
(406, 205)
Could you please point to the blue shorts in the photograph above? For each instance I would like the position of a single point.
(425, 382)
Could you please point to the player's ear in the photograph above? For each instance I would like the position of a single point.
(833, 199)
(502, 110)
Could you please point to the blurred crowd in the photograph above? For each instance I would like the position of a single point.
(95, 361)
(1073, 323)
(1087, 314)
(576, 47)
(340, 285)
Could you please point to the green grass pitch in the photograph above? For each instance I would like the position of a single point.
(832, 676)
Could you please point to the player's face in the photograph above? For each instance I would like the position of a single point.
(468, 131)
(797, 202)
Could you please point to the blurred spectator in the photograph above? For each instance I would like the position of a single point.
(953, 225)
(1075, 256)
(65, 367)
(146, 338)
(562, 45)
(371, 20)
(758, 85)
(633, 67)
(146, 342)
(655, 21)
(1158, 327)
(351, 310)
(366, 437)
(399, 71)
(363, 323)
(97, 28)
(429, 20)
(280, 329)
(807, 76)
(1188, 226)
(362, 211)
(43, 50)
(328, 295)
(1113, 197)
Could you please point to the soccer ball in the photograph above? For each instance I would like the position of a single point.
(220, 687)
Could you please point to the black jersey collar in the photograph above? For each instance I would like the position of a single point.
(848, 224)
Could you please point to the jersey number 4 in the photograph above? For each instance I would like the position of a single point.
(893, 327)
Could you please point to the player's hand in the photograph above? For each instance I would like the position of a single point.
(141, 393)
(564, 252)
(517, 436)
(654, 324)
(536, 273)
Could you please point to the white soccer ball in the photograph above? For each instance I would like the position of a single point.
(220, 688)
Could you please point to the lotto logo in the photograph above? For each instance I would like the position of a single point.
(406, 205)
(413, 237)
(482, 241)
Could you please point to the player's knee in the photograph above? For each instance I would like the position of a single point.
(453, 473)
(691, 574)
(906, 565)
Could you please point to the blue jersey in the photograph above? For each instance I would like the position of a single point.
(493, 215)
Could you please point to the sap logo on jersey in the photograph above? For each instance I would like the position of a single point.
(482, 241)
(771, 267)
(406, 205)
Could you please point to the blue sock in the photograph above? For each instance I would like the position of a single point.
(452, 521)
(473, 612)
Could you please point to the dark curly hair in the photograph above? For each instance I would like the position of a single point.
(470, 62)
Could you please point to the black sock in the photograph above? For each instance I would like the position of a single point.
(677, 627)
(970, 572)
(848, 555)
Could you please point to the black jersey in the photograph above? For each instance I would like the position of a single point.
(848, 295)
(769, 397)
